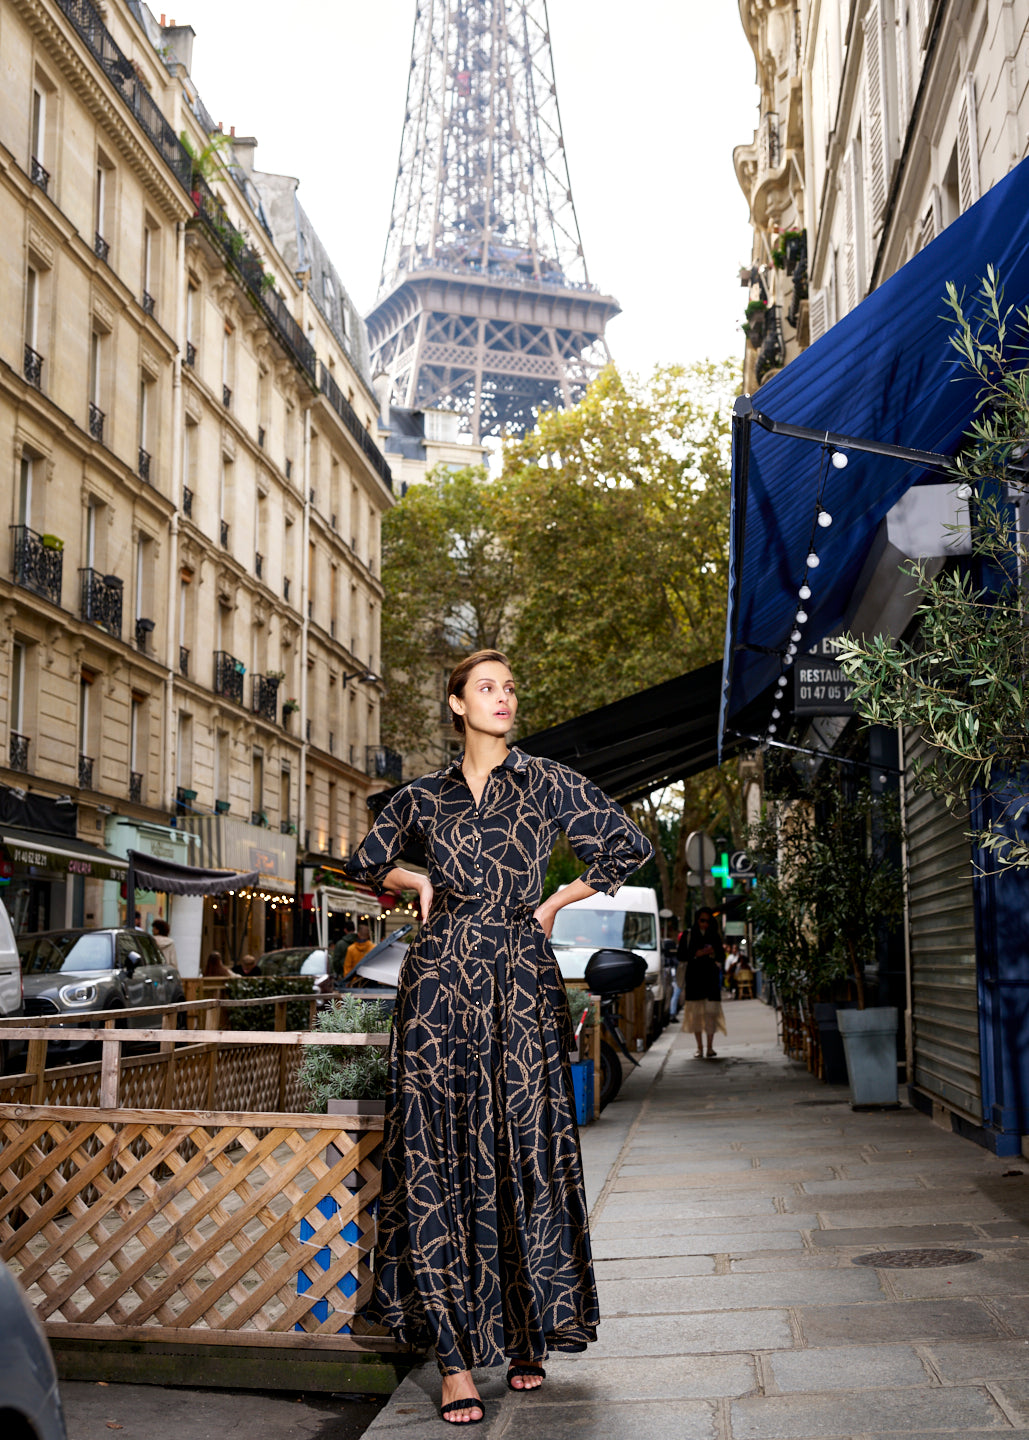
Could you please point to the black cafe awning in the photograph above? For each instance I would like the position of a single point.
(153, 873)
(647, 740)
(61, 853)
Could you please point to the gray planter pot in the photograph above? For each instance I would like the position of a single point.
(870, 1042)
(357, 1108)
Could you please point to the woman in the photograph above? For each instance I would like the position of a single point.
(483, 1248)
(215, 968)
(701, 961)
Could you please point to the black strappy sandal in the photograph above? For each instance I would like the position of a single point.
(470, 1402)
(520, 1370)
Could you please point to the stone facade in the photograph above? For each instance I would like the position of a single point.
(189, 595)
(880, 123)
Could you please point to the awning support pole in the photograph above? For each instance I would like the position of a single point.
(929, 459)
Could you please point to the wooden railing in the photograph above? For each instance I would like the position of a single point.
(171, 1202)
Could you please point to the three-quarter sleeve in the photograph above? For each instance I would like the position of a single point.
(380, 850)
(598, 830)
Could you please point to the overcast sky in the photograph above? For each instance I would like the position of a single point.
(654, 95)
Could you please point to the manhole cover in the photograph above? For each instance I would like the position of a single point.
(916, 1259)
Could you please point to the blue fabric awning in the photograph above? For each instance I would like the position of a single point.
(885, 372)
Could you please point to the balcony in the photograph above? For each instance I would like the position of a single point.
(187, 502)
(265, 698)
(102, 601)
(39, 175)
(32, 367)
(226, 396)
(349, 416)
(259, 565)
(136, 787)
(144, 629)
(228, 676)
(96, 421)
(148, 303)
(18, 753)
(101, 247)
(223, 532)
(143, 467)
(86, 763)
(191, 354)
(183, 661)
(38, 562)
(384, 763)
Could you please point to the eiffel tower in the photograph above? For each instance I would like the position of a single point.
(485, 305)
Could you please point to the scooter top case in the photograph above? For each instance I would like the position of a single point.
(614, 972)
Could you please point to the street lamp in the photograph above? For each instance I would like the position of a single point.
(363, 677)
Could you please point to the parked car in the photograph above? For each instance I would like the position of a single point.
(300, 960)
(626, 921)
(10, 986)
(72, 972)
(30, 1401)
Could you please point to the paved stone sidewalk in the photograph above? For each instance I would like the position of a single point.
(730, 1202)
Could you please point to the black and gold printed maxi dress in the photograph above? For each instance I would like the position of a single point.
(483, 1247)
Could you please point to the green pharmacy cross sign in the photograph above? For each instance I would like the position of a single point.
(720, 871)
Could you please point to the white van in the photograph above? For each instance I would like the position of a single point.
(626, 921)
(10, 979)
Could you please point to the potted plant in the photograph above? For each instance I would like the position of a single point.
(829, 881)
(348, 1079)
(754, 326)
(52, 542)
(288, 706)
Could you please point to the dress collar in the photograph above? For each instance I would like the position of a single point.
(515, 759)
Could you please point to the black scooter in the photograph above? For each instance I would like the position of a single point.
(610, 973)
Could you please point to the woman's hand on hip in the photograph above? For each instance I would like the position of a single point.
(544, 917)
(424, 889)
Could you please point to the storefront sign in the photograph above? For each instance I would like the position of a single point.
(38, 859)
(819, 685)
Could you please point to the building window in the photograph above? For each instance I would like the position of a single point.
(191, 315)
(97, 350)
(221, 767)
(228, 381)
(88, 730)
(143, 462)
(18, 740)
(257, 787)
(184, 751)
(149, 277)
(103, 207)
(25, 477)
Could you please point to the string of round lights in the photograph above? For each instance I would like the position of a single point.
(821, 520)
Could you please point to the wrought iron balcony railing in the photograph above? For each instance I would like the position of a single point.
(384, 763)
(122, 75)
(191, 353)
(102, 600)
(33, 366)
(187, 502)
(144, 629)
(96, 421)
(183, 660)
(18, 752)
(148, 303)
(38, 565)
(144, 464)
(136, 787)
(226, 396)
(349, 416)
(265, 701)
(228, 676)
(86, 772)
(39, 175)
(101, 246)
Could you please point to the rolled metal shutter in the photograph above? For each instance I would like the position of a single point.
(941, 920)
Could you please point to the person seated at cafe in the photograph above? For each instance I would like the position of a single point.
(359, 949)
(216, 969)
(248, 965)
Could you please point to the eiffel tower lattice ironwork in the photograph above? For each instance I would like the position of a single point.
(485, 305)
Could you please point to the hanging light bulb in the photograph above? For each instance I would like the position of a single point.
(813, 561)
(964, 492)
(787, 659)
(782, 678)
(804, 592)
(824, 518)
(791, 649)
(801, 617)
(794, 634)
(771, 729)
(839, 460)
(776, 713)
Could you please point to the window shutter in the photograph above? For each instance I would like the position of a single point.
(849, 250)
(930, 226)
(876, 120)
(922, 21)
(968, 148)
(817, 315)
(903, 71)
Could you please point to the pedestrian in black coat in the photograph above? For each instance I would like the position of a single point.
(701, 965)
